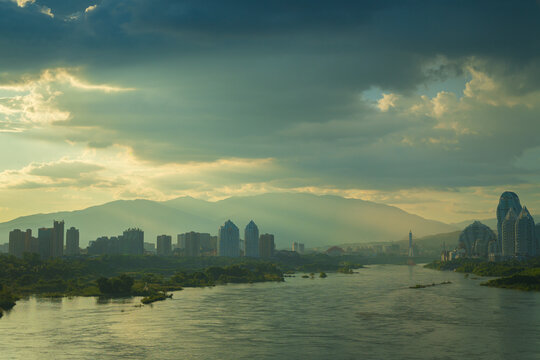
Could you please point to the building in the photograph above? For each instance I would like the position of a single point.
(476, 239)
(411, 248)
(72, 242)
(45, 239)
(21, 242)
(266, 245)
(104, 246)
(193, 244)
(525, 237)
(149, 248)
(17, 242)
(508, 200)
(229, 240)
(335, 251)
(181, 241)
(297, 247)
(132, 242)
(508, 228)
(208, 243)
(251, 238)
(57, 249)
(164, 245)
(4, 248)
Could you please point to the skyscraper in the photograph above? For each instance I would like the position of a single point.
(193, 244)
(164, 246)
(72, 241)
(508, 200)
(251, 237)
(229, 240)
(45, 239)
(132, 242)
(266, 245)
(16, 242)
(525, 234)
(57, 246)
(508, 229)
(411, 248)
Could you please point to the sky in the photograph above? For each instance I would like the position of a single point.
(430, 106)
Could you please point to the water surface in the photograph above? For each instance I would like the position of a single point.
(369, 315)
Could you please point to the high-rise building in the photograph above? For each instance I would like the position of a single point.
(509, 200)
(104, 245)
(132, 242)
(45, 239)
(31, 243)
(229, 240)
(525, 234)
(193, 244)
(476, 239)
(298, 247)
(57, 249)
(251, 238)
(411, 247)
(164, 245)
(266, 245)
(181, 241)
(508, 228)
(72, 241)
(17, 240)
(208, 243)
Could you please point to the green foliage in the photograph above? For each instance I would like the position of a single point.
(521, 275)
(160, 296)
(116, 286)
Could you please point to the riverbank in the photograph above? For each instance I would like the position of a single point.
(512, 274)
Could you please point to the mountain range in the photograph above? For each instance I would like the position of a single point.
(310, 219)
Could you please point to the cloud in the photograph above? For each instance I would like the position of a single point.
(387, 101)
(47, 11)
(55, 174)
(32, 100)
(23, 3)
(90, 8)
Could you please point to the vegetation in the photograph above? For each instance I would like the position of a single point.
(419, 286)
(322, 274)
(148, 276)
(114, 276)
(160, 296)
(514, 274)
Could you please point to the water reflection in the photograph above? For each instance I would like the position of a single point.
(371, 314)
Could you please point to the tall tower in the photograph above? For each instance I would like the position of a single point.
(229, 240)
(509, 200)
(251, 237)
(525, 234)
(72, 241)
(411, 250)
(57, 246)
(508, 232)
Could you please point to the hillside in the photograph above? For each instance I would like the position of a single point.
(313, 220)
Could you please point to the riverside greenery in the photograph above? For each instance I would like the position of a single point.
(513, 274)
(147, 276)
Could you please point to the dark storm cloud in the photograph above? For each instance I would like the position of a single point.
(284, 79)
(390, 37)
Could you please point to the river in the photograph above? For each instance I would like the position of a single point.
(372, 314)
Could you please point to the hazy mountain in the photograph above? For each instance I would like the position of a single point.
(313, 220)
(492, 223)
